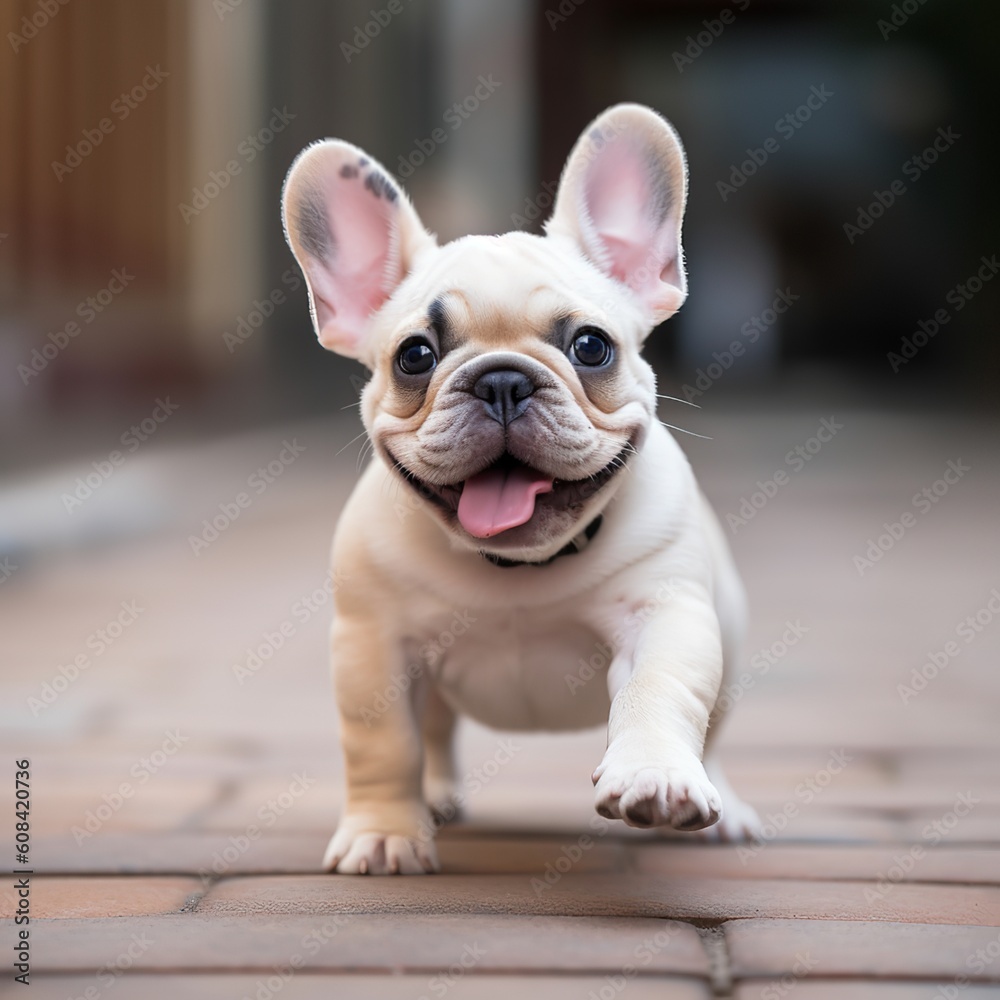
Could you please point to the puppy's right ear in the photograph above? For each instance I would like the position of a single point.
(621, 201)
(355, 236)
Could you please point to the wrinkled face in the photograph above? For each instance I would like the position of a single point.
(507, 387)
(511, 406)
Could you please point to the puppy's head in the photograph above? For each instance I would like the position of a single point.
(508, 389)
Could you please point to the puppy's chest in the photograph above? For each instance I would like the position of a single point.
(519, 669)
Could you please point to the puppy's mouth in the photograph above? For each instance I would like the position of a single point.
(506, 492)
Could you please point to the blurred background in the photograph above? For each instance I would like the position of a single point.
(156, 355)
(205, 104)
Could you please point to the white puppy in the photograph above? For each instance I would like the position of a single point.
(520, 476)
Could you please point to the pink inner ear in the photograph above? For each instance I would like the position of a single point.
(362, 267)
(617, 192)
(636, 245)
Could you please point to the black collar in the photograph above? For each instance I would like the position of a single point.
(571, 548)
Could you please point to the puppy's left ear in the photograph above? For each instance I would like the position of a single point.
(355, 236)
(621, 201)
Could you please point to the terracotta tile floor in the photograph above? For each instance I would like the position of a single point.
(878, 879)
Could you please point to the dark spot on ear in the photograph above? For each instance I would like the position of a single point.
(363, 162)
(380, 185)
(314, 233)
(598, 137)
(347, 171)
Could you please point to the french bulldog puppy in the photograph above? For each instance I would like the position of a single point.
(520, 477)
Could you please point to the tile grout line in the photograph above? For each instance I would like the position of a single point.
(193, 900)
(713, 941)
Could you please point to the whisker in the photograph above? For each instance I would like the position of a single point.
(366, 448)
(677, 399)
(353, 439)
(704, 437)
(390, 483)
(349, 405)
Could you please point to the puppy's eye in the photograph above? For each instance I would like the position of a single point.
(591, 347)
(416, 356)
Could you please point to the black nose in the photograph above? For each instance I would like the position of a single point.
(505, 394)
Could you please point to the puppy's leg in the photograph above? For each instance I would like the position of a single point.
(652, 774)
(385, 827)
(438, 727)
(739, 820)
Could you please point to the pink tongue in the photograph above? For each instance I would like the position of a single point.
(500, 498)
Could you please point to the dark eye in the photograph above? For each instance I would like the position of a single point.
(591, 347)
(416, 356)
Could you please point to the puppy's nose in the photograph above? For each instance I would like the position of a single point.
(505, 393)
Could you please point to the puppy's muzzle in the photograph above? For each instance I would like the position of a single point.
(505, 394)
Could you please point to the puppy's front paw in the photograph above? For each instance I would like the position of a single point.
(739, 823)
(388, 841)
(643, 793)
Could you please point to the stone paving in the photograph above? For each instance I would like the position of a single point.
(184, 783)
